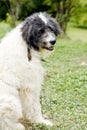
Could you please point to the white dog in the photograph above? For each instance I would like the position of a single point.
(21, 73)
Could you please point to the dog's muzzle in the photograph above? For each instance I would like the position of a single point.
(50, 46)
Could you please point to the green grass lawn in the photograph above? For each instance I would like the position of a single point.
(64, 94)
(4, 28)
(65, 90)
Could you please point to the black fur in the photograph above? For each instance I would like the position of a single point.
(53, 25)
(32, 30)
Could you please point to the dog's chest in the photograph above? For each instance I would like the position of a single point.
(36, 68)
(32, 74)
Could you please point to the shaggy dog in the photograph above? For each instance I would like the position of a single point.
(21, 73)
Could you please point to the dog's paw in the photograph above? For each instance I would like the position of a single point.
(45, 121)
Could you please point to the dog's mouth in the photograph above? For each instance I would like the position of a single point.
(51, 48)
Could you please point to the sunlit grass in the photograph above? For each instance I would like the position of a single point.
(77, 34)
(65, 90)
(4, 28)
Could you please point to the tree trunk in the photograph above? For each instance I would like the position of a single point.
(14, 10)
(63, 12)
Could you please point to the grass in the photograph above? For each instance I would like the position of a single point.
(4, 28)
(64, 94)
(78, 34)
(65, 90)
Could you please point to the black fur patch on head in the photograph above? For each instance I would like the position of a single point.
(53, 25)
(32, 30)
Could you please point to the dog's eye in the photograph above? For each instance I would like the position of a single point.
(41, 31)
(51, 28)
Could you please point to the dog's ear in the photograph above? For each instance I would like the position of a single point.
(32, 30)
(29, 33)
(54, 26)
(26, 30)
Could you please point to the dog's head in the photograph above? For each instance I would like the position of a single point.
(40, 31)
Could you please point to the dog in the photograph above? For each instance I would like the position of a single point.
(21, 72)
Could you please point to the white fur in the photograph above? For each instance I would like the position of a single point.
(20, 83)
(43, 18)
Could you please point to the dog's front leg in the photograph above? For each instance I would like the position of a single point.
(32, 107)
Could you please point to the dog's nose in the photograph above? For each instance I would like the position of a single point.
(53, 42)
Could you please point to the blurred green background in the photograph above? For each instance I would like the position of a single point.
(65, 11)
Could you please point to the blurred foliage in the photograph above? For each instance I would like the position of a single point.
(80, 17)
(64, 10)
(3, 9)
(30, 6)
